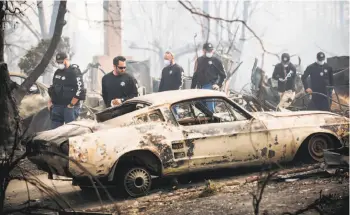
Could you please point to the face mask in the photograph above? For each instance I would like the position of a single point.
(320, 62)
(166, 62)
(209, 55)
(61, 66)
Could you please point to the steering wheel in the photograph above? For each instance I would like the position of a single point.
(197, 119)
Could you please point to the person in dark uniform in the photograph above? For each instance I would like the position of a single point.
(209, 72)
(321, 77)
(285, 74)
(172, 74)
(118, 86)
(66, 92)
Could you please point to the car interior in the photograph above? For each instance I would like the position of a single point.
(196, 112)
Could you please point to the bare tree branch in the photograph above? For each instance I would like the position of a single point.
(200, 13)
(17, 46)
(60, 22)
(34, 32)
(133, 46)
(327, 52)
(42, 19)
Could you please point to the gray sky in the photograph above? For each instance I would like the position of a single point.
(297, 27)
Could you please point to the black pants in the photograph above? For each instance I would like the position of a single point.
(321, 102)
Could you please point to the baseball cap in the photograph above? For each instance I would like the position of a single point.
(320, 56)
(61, 56)
(208, 46)
(285, 57)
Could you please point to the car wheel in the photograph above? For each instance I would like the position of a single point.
(316, 146)
(137, 181)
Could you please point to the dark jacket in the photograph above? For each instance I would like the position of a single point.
(66, 84)
(122, 86)
(320, 77)
(172, 78)
(286, 77)
(208, 71)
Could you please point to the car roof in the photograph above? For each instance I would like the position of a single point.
(173, 96)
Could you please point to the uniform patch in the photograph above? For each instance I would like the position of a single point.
(170, 72)
(325, 70)
(321, 74)
(210, 62)
(63, 78)
(58, 76)
(122, 84)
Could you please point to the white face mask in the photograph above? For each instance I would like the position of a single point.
(166, 62)
(61, 66)
(209, 55)
(320, 62)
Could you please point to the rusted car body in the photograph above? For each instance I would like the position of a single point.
(172, 133)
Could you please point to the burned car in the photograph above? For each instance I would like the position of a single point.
(176, 132)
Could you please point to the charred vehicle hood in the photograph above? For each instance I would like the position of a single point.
(64, 132)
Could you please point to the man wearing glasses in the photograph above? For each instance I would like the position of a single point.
(118, 86)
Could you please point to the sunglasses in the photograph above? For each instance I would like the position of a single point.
(121, 67)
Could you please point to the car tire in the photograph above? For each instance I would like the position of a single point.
(135, 181)
(316, 145)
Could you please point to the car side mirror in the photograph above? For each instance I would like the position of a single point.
(34, 89)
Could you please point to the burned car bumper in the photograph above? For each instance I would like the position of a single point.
(49, 157)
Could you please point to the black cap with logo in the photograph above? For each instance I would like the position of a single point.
(61, 56)
(321, 56)
(208, 46)
(285, 58)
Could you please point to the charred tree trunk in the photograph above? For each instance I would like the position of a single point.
(206, 26)
(8, 126)
(40, 68)
(55, 11)
(42, 20)
(2, 33)
(242, 39)
(2, 41)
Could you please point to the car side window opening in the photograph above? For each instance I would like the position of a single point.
(154, 116)
(114, 112)
(206, 110)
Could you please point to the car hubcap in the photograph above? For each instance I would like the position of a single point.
(316, 147)
(137, 182)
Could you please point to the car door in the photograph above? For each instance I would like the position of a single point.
(248, 139)
(220, 140)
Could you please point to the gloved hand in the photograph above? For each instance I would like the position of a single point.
(216, 87)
